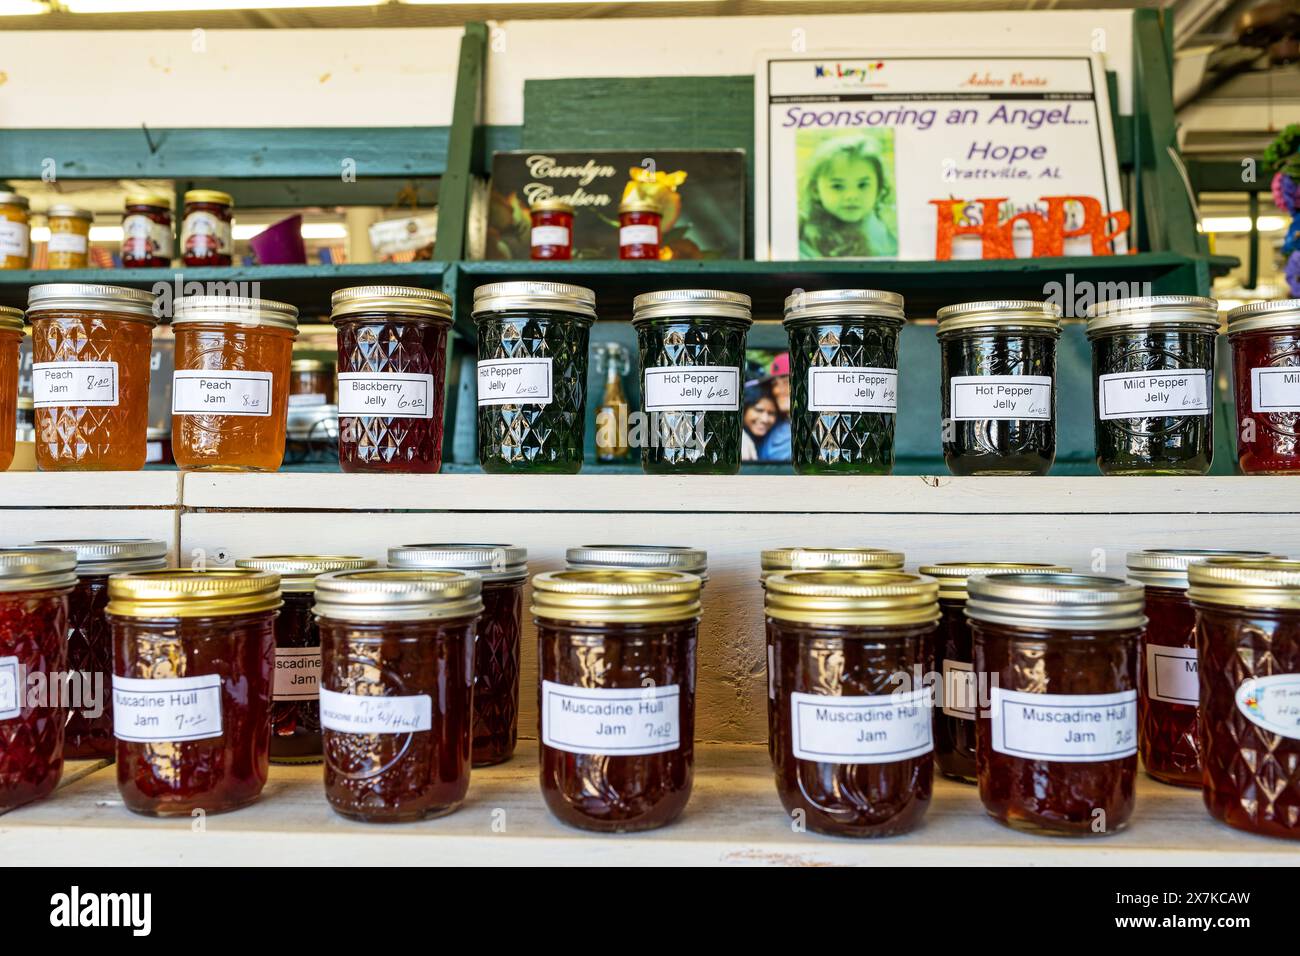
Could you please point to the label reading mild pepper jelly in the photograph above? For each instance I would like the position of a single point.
(1275, 389)
(614, 721)
(1153, 394)
(1173, 675)
(1066, 728)
(166, 711)
(880, 728)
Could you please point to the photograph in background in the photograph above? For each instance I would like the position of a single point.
(765, 414)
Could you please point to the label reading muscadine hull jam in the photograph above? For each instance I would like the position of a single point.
(10, 698)
(1153, 394)
(853, 389)
(638, 235)
(167, 711)
(361, 714)
(386, 394)
(880, 728)
(1275, 389)
(87, 384)
(215, 392)
(1172, 675)
(1000, 397)
(1065, 728)
(297, 673)
(692, 388)
(613, 721)
(1272, 702)
(515, 382)
(959, 690)
(550, 235)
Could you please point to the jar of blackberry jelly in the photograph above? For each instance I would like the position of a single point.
(1265, 339)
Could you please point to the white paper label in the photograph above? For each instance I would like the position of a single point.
(692, 388)
(514, 382)
(1065, 728)
(387, 394)
(638, 235)
(203, 234)
(1275, 389)
(297, 673)
(363, 714)
(1153, 394)
(168, 710)
(959, 689)
(304, 399)
(853, 389)
(1000, 397)
(617, 722)
(153, 453)
(881, 728)
(67, 242)
(14, 238)
(142, 238)
(1172, 675)
(10, 695)
(213, 392)
(771, 672)
(86, 384)
(550, 235)
(1272, 703)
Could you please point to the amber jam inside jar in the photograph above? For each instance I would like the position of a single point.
(616, 655)
(34, 586)
(91, 350)
(551, 236)
(15, 232)
(311, 382)
(638, 228)
(1265, 338)
(295, 708)
(957, 696)
(11, 337)
(230, 390)
(853, 748)
(207, 237)
(1056, 745)
(503, 569)
(1248, 638)
(147, 238)
(193, 666)
(69, 243)
(397, 656)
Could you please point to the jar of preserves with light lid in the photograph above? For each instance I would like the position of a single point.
(639, 557)
(69, 244)
(551, 235)
(148, 241)
(11, 338)
(311, 382)
(92, 347)
(15, 232)
(639, 222)
(207, 236)
(1265, 339)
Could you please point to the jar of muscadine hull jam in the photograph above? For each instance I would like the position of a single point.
(193, 672)
(1248, 639)
(1265, 339)
(616, 655)
(397, 655)
(960, 692)
(1056, 750)
(504, 570)
(853, 747)
(11, 337)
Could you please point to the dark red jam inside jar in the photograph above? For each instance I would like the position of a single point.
(616, 655)
(397, 681)
(552, 230)
(638, 229)
(1056, 749)
(147, 238)
(207, 228)
(1265, 338)
(854, 748)
(34, 586)
(193, 664)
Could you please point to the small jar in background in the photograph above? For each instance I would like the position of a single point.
(311, 382)
(69, 243)
(311, 435)
(639, 557)
(15, 232)
(148, 241)
(551, 236)
(11, 337)
(1265, 340)
(638, 228)
(207, 237)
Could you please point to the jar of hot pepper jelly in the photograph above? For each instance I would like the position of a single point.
(616, 655)
(397, 655)
(503, 569)
(295, 695)
(1056, 749)
(959, 695)
(853, 745)
(193, 672)
(998, 388)
(1248, 639)
(34, 587)
(1265, 339)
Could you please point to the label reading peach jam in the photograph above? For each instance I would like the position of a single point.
(212, 392)
(1067, 728)
(615, 721)
(168, 710)
(85, 384)
(880, 728)
(1000, 397)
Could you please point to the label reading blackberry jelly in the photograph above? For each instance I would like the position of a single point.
(1000, 397)
(387, 394)
(1172, 675)
(1272, 702)
(614, 721)
(515, 382)
(881, 728)
(1153, 394)
(1065, 728)
(168, 710)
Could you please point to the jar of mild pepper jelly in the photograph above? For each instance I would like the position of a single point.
(193, 672)
(960, 691)
(392, 343)
(998, 386)
(11, 337)
(89, 733)
(147, 238)
(503, 569)
(1265, 338)
(397, 655)
(15, 232)
(34, 586)
(295, 710)
(692, 357)
(230, 390)
(853, 744)
(1248, 638)
(638, 228)
(551, 236)
(207, 237)
(69, 243)
(532, 375)
(92, 346)
(1056, 749)
(616, 655)
(844, 380)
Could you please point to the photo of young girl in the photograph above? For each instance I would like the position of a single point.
(846, 195)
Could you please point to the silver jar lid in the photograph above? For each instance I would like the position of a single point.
(298, 572)
(1082, 602)
(692, 304)
(1167, 567)
(492, 562)
(387, 594)
(112, 555)
(69, 211)
(1000, 315)
(538, 296)
(843, 303)
(36, 569)
(648, 557)
(134, 304)
(1281, 315)
(235, 309)
(953, 575)
(1154, 312)
(407, 301)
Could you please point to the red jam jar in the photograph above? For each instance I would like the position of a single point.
(1248, 638)
(295, 708)
(11, 337)
(147, 238)
(1056, 749)
(392, 343)
(34, 587)
(503, 569)
(552, 229)
(207, 237)
(193, 664)
(854, 746)
(638, 228)
(1265, 339)
(616, 716)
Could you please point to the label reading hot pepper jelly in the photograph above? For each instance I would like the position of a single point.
(515, 381)
(696, 388)
(1002, 397)
(849, 389)
(614, 721)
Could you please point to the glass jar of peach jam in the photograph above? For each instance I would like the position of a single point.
(15, 232)
(69, 243)
(11, 337)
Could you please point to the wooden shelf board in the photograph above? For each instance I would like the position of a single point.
(89, 489)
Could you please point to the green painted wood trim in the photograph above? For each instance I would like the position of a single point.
(494, 139)
(457, 181)
(1228, 176)
(296, 193)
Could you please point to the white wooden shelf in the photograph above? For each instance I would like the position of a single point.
(90, 489)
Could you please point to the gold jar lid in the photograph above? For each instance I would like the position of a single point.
(692, 304)
(36, 569)
(1272, 583)
(853, 598)
(387, 594)
(11, 319)
(804, 307)
(69, 211)
(1280, 315)
(298, 572)
(1071, 602)
(112, 555)
(13, 199)
(148, 199)
(492, 562)
(830, 559)
(952, 575)
(134, 304)
(310, 365)
(1000, 315)
(236, 310)
(638, 203)
(1153, 313)
(428, 304)
(209, 195)
(551, 204)
(639, 557)
(530, 295)
(614, 596)
(1167, 567)
(180, 592)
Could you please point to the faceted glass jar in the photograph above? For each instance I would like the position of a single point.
(1265, 339)
(11, 337)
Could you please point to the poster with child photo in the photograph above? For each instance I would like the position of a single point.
(765, 407)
